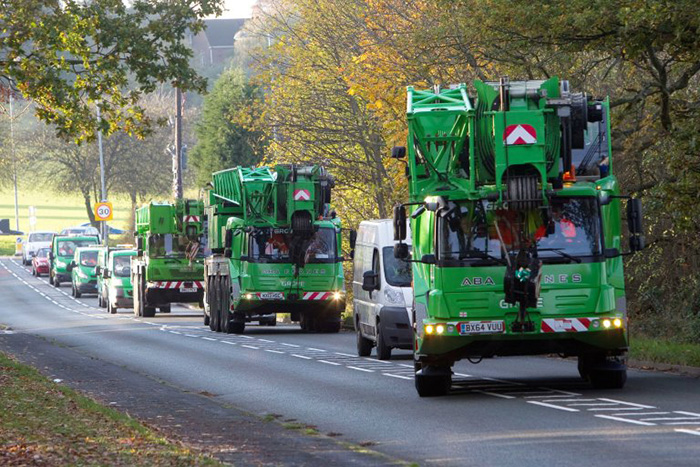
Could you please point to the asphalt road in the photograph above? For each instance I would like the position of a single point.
(510, 411)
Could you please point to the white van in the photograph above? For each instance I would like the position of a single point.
(382, 307)
(35, 242)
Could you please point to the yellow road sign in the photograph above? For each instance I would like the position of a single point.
(103, 211)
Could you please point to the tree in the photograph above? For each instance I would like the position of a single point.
(70, 55)
(224, 135)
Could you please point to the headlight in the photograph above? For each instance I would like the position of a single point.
(249, 296)
(337, 295)
(393, 296)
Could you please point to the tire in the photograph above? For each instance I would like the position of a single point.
(214, 306)
(383, 350)
(56, 283)
(111, 309)
(72, 290)
(270, 322)
(77, 293)
(165, 309)
(50, 278)
(364, 345)
(225, 304)
(603, 372)
(149, 311)
(433, 382)
(207, 320)
(237, 327)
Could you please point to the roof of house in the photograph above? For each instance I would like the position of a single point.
(220, 31)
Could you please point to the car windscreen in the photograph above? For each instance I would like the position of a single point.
(173, 246)
(122, 266)
(273, 245)
(397, 271)
(67, 247)
(88, 258)
(43, 253)
(481, 233)
(40, 237)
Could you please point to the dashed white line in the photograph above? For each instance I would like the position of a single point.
(250, 347)
(552, 406)
(620, 419)
(228, 342)
(274, 351)
(209, 339)
(398, 376)
(690, 432)
(495, 394)
(289, 345)
(328, 363)
(627, 403)
(190, 335)
(175, 332)
(315, 350)
(360, 369)
(344, 354)
(301, 356)
(265, 340)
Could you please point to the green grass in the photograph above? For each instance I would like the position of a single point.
(48, 424)
(55, 211)
(664, 351)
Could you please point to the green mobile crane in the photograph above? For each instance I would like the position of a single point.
(516, 229)
(169, 264)
(275, 248)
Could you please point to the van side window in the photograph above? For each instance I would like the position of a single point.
(375, 264)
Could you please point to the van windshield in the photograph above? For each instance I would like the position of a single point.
(88, 258)
(40, 237)
(397, 271)
(67, 247)
(122, 266)
(173, 246)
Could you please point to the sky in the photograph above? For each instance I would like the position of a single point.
(237, 8)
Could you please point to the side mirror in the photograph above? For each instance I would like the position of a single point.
(428, 259)
(370, 281)
(353, 239)
(634, 224)
(604, 198)
(398, 152)
(401, 251)
(70, 266)
(98, 270)
(399, 222)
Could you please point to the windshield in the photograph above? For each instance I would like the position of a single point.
(40, 237)
(122, 266)
(482, 233)
(173, 246)
(272, 245)
(67, 247)
(43, 253)
(88, 258)
(396, 271)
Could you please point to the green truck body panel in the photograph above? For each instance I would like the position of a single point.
(283, 254)
(169, 265)
(463, 152)
(62, 252)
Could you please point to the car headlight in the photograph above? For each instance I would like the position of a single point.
(393, 296)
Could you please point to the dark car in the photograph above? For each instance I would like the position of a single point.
(40, 262)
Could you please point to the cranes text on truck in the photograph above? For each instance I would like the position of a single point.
(275, 248)
(516, 229)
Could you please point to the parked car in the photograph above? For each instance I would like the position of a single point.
(82, 269)
(115, 278)
(62, 253)
(40, 262)
(382, 292)
(34, 242)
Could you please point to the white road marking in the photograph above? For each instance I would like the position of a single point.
(495, 394)
(315, 350)
(329, 363)
(402, 364)
(690, 432)
(620, 419)
(301, 356)
(190, 335)
(274, 351)
(687, 413)
(174, 332)
(210, 339)
(628, 403)
(552, 406)
(344, 354)
(228, 342)
(265, 340)
(398, 376)
(360, 369)
(250, 347)
(289, 345)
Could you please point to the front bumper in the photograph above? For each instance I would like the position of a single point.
(396, 327)
(281, 302)
(87, 287)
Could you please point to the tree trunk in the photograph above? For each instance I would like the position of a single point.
(88, 207)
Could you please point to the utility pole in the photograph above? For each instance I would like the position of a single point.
(14, 160)
(177, 156)
(105, 229)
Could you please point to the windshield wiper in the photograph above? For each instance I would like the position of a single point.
(475, 254)
(561, 253)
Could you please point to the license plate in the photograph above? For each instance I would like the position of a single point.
(482, 327)
(271, 295)
(188, 289)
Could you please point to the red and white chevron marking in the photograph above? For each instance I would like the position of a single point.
(566, 324)
(317, 295)
(177, 284)
(190, 218)
(302, 195)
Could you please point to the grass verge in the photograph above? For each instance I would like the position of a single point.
(664, 351)
(48, 424)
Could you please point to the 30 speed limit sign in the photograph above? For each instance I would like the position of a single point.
(103, 211)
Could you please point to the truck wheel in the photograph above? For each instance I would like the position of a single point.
(50, 278)
(433, 381)
(76, 292)
(603, 372)
(214, 305)
(237, 327)
(224, 305)
(383, 350)
(165, 309)
(56, 283)
(149, 311)
(111, 309)
(364, 345)
(206, 319)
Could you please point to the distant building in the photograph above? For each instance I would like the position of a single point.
(215, 44)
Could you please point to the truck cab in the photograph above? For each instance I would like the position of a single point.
(82, 270)
(382, 294)
(63, 249)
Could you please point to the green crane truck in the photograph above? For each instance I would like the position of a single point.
(275, 248)
(169, 265)
(516, 229)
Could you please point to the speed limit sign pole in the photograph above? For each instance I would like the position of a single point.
(103, 213)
